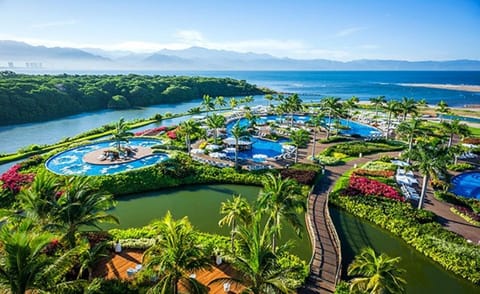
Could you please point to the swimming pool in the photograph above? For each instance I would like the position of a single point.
(70, 162)
(262, 148)
(467, 185)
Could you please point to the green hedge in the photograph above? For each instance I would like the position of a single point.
(417, 228)
(449, 197)
(357, 147)
(460, 166)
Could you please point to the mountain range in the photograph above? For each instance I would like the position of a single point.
(15, 54)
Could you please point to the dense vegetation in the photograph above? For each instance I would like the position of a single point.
(27, 98)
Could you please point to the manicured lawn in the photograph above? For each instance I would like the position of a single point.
(475, 131)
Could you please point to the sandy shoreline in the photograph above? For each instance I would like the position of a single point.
(468, 88)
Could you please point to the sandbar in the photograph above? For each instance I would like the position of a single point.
(467, 88)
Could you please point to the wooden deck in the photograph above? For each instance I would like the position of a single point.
(115, 267)
(326, 262)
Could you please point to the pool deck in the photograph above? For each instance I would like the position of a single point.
(93, 157)
(116, 265)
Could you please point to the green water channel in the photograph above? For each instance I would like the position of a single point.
(422, 274)
(201, 204)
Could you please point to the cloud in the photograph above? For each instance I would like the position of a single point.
(48, 25)
(349, 31)
(189, 36)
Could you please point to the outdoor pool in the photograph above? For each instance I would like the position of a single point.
(265, 148)
(467, 185)
(70, 162)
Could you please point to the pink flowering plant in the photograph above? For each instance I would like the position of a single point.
(363, 186)
(13, 180)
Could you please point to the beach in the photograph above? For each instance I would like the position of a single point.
(468, 88)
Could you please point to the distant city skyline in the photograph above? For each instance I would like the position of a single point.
(339, 30)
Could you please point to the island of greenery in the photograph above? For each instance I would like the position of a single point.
(28, 98)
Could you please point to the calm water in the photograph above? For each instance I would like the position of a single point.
(467, 185)
(422, 274)
(200, 203)
(311, 85)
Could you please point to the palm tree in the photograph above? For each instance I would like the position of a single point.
(188, 127)
(248, 99)
(269, 98)
(442, 108)
(377, 102)
(39, 199)
(24, 266)
(410, 129)
(175, 256)
(220, 101)
(258, 263)
(215, 122)
(376, 274)
(81, 205)
(233, 103)
(300, 138)
(293, 103)
(252, 119)
(422, 102)
(331, 106)
(90, 258)
(208, 103)
(454, 127)
(391, 108)
(350, 104)
(237, 132)
(282, 200)
(120, 133)
(407, 106)
(236, 210)
(316, 122)
(429, 160)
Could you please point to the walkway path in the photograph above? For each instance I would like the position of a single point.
(325, 266)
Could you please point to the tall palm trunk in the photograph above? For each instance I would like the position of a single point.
(450, 140)
(187, 138)
(329, 123)
(236, 153)
(314, 142)
(426, 178)
(410, 146)
(296, 154)
(388, 125)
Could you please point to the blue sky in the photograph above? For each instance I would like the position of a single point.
(340, 30)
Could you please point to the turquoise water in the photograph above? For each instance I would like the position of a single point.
(467, 185)
(70, 162)
(271, 149)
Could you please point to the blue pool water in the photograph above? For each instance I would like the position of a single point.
(70, 162)
(467, 185)
(264, 148)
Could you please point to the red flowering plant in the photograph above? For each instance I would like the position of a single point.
(52, 247)
(364, 186)
(374, 173)
(172, 135)
(151, 132)
(13, 180)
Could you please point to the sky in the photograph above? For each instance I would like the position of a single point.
(302, 29)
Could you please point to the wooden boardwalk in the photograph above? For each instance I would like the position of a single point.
(326, 262)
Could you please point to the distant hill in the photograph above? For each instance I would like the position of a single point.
(198, 58)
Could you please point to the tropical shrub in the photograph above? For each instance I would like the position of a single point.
(305, 177)
(379, 165)
(374, 173)
(360, 186)
(355, 148)
(13, 180)
(417, 228)
(329, 160)
(460, 166)
(467, 214)
(449, 197)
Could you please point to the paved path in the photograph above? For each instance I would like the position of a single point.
(325, 266)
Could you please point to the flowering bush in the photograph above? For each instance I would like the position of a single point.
(305, 177)
(172, 135)
(374, 173)
(379, 165)
(151, 132)
(13, 180)
(363, 186)
(467, 211)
